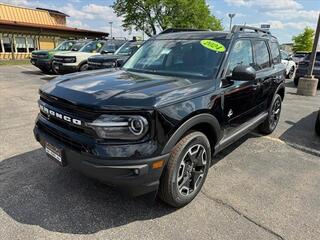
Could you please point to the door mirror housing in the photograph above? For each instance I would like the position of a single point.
(106, 52)
(243, 73)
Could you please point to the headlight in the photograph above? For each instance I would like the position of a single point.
(122, 127)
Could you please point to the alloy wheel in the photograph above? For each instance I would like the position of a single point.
(191, 170)
(275, 114)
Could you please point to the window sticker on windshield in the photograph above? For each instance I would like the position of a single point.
(213, 45)
(98, 45)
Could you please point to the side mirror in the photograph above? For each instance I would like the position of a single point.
(119, 63)
(243, 73)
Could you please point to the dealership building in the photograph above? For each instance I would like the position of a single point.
(23, 30)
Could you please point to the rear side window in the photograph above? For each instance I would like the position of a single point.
(262, 55)
(241, 54)
(275, 52)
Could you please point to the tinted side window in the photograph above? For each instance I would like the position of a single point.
(284, 55)
(275, 52)
(241, 54)
(262, 55)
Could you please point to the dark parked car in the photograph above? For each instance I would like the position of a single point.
(317, 127)
(115, 60)
(156, 124)
(303, 68)
(299, 56)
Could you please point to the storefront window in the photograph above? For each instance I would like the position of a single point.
(21, 44)
(30, 44)
(6, 44)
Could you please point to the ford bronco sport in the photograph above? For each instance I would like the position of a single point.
(42, 59)
(116, 59)
(156, 124)
(68, 62)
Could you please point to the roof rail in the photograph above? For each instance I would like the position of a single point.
(242, 28)
(173, 30)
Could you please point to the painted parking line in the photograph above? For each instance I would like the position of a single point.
(291, 144)
(30, 69)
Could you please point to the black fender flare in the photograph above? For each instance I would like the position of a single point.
(81, 63)
(280, 86)
(188, 124)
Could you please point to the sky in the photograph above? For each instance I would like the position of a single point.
(287, 17)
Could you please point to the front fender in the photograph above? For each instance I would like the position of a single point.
(189, 124)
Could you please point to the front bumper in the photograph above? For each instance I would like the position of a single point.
(64, 68)
(41, 63)
(135, 177)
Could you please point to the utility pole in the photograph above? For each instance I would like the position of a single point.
(231, 15)
(308, 84)
(110, 29)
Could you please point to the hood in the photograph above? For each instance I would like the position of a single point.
(106, 58)
(74, 54)
(40, 52)
(119, 89)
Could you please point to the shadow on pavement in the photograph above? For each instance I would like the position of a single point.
(302, 132)
(36, 191)
(46, 76)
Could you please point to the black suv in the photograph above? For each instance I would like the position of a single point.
(156, 124)
(116, 59)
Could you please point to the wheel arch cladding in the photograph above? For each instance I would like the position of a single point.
(204, 122)
(281, 91)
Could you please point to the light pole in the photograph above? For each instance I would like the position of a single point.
(307, 85)
(111, 28)
(231, 15)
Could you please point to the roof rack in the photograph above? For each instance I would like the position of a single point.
(173, 30)
(242, 28)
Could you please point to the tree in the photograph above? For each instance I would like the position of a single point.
(152, 16)
(303, 41)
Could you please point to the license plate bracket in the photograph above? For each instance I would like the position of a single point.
(55, 153)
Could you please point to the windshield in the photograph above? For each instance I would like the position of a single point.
(92, 47)
(65, 46)
(128, 48)
(188, 58)
(109, 47)
(78, 46)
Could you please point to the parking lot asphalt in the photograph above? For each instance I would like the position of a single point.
(261, 187)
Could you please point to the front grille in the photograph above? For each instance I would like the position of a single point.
(61, 59)
(39, 55)
(64, 139)
(73, 114)
(68, 107)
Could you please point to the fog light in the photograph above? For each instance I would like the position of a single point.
(136, 171)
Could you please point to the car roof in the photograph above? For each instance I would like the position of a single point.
(191, 35)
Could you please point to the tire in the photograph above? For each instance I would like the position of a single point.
(270, 124)
(317, 126)
(83, 67)
(45, 70)
(296, 81)
(290, 74)
(189, 163)
(55, 71)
